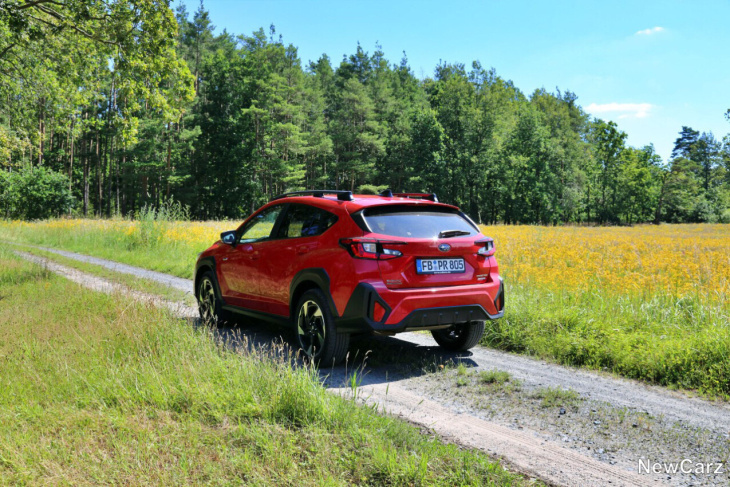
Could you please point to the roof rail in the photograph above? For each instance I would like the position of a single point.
(318, 193)
(422, 196)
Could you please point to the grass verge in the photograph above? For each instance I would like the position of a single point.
(95, 389)
(681, 343)
(156, 244)
(132, 282)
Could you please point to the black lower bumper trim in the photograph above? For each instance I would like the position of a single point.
(424, 318)
(357, 317)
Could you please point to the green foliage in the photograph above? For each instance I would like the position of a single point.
(143, 244)
(222, 123)
(724, 217)
(154, 222)
(34, 194)
(356, 135)
(79, 76)
(168, 211)
(556, 396)
(494, 376)
(370, 189)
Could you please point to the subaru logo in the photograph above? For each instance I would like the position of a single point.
(444, 247)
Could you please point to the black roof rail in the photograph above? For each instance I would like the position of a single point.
(318, 193)
(421, 196)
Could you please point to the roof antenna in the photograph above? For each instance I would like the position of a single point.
(386, 193)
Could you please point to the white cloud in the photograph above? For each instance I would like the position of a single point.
(648, 32)
(624, 110)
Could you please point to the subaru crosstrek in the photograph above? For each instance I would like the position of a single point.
(333, 264)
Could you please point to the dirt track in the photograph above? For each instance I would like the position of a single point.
(392, 375)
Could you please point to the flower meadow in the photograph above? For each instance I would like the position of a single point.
(647, 302)
(678, 260)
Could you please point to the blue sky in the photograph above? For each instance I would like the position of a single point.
(650, 66)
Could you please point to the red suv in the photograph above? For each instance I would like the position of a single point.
(334, 264)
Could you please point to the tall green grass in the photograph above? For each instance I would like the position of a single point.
(677, 342)
(98, 390)
(153, 222)
(159, 239)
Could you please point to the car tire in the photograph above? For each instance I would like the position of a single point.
(210, 304)
(316, 331)
(459, 337)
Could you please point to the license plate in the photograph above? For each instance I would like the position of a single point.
(440, 266)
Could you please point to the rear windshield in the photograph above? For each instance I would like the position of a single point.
(416, 222)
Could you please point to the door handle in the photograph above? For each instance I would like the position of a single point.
(249, 251)
(303, 249)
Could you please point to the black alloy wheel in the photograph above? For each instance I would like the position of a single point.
(311, 329)
(210, 305)
(317, 334)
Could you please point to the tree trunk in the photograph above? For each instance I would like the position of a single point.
(86, 176)
(41, 129)
(71, 160)
(124, 159)
(169, 154)
(99, 176)
(108, 164)
(660, 202)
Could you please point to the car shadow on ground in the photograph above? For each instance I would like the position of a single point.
(371, 359)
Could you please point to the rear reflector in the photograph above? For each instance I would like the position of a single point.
(378, 312)
(499, 300)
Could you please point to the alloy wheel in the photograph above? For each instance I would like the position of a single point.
(206, 301)
(311, 328)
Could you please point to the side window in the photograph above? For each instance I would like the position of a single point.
(260, 226)
(305, 221)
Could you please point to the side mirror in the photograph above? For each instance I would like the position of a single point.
(229, 237)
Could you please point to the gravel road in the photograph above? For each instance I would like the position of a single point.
(184, 285)
(601, 433)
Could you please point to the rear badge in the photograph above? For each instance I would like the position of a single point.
(444, 247)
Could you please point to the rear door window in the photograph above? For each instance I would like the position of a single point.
(417, 222)
(305, 221)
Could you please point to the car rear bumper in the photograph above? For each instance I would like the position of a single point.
(420, 309)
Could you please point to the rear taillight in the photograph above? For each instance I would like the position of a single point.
(370, 248)
(486, 246)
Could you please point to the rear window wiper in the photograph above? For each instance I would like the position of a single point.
(453, 233)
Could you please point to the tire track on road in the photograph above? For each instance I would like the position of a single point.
(528, 454)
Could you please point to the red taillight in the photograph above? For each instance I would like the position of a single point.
(486, 246)
(370, 248)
